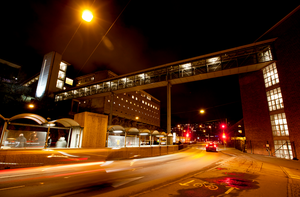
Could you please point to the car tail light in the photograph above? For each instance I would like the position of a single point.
(215, 146)
(206, 145)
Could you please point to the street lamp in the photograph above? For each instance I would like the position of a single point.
(87, 15)
(202, 111)
(31, 106)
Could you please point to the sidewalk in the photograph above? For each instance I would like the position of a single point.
(294, 164)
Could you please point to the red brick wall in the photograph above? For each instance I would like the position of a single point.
(255, 112)
(287, 48)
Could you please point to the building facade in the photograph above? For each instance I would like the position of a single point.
(270, 96)
(129, 109)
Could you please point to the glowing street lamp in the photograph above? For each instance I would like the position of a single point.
(202, 111)
(87, 15)
(31, 106)
(137, 118)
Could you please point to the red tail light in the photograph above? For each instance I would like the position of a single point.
(215, 146)
(206, 145)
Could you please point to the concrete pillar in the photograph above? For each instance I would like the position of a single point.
(169, 111)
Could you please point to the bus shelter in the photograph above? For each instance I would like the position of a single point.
(115, 136)
(132, 137)
(33, 131)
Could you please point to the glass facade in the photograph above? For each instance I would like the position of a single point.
(278, 120)
(275, 101)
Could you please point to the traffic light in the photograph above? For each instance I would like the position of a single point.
(224, 136)
(223, 126)
(187, 135)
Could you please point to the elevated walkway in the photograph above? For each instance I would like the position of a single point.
(237, 60)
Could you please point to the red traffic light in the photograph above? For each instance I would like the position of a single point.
(224, 136)
(187, 135)
(223, 126)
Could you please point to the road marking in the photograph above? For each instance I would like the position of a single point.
(289, 173)
(125, 181)
(230, 189)
(69, 193)
(187, 183)
(13, 187)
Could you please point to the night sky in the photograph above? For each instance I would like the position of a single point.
(147, 34)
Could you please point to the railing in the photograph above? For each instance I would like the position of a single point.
(223, 61)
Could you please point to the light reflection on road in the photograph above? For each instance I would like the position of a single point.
(118, 173)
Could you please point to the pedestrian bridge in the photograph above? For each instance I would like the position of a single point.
(237, 60)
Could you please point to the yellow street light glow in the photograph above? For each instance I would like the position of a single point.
(202, 111)
(31, 106)
(87, 15)
(137, 118)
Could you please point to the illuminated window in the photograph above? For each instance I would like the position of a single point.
(275, 101)
(132, 96)
(143, 101)
(61, 75)
(137, 105)
(63, 66)
(122, 99)
(59, 84)
(117, 97)
(114, 102)
(133, 103)
(270, 75)
(124, 93)
(279, 125)
(123, 105)
(283, 149)
(130, 102)
(126, 100)
(119, 104)
(108, 100)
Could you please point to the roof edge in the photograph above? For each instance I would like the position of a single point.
(279, 22)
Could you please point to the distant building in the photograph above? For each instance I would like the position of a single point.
(9, 72)
(129, 109)
(135, 108)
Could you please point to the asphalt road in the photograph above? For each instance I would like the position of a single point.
(193, 172)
